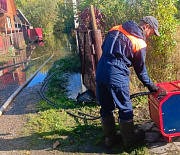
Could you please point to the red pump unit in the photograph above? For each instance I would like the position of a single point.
(164, 108)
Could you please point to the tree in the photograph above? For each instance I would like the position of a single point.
(42, 13)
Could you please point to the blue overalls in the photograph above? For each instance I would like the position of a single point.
(123, 47)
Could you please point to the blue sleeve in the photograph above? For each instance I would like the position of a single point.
(140, 67)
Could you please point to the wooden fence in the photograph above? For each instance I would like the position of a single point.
(90, 41)
(16, 40)
(6, 44)
(90, 52)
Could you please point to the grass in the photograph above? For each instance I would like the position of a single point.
(52, 124)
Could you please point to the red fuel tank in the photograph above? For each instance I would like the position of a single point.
(164, 108)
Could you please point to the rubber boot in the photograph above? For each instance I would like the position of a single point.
(131, 137)
(109, 131)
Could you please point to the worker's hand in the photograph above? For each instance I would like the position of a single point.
(153, 88)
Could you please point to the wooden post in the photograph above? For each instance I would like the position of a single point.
(97, 40)
(93, 19)
(5, 28)
(97, 44)
(12, 41)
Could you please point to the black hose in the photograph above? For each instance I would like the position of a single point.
(141, 94)
(56, 105)
(94, 118)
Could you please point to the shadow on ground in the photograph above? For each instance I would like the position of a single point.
(82, 139)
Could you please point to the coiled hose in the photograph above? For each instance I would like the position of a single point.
(80, 114)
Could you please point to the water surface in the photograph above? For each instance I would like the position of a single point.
(13, 77)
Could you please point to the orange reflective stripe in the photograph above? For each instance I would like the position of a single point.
(115, 28)
(136, 42)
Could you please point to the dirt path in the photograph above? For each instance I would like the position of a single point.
(14, 141)
(12, 123)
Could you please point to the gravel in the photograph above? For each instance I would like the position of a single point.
(12, 138)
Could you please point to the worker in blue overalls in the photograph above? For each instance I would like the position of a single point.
(124, 46)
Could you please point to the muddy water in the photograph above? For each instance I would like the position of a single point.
(14, 76)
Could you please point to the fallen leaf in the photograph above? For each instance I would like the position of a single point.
(55, 144)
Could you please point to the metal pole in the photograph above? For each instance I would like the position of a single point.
(76, 25)
(75, 13)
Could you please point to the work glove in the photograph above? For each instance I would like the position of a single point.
(153, 88)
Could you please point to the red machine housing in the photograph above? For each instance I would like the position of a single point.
(164, 108)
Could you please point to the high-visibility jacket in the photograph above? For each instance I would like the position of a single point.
(123, 47)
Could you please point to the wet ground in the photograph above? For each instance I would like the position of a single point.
(74, 86)
(12, 77)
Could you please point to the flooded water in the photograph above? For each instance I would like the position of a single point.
(74, 86)
(12, 76)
